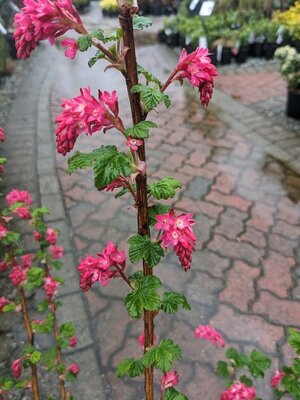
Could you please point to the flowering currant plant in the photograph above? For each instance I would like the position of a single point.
(160, 227)
(34, 272)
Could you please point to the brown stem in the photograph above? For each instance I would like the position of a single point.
(104, 50)
(169, 80)
(27, 323)
(123, 276)
(131, 77)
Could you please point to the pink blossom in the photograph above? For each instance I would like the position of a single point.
(22, 212)
(199, 70)
(207, 332)
(73, 341)
(71, 48)
(3, 303)
(85, 114)
(133, 143)
(142, 341)
(18, 196)
(56, 251)
(101, 268)
(18, 275)
(41, 20)
(2, 169)
(177, 232)
(51, 236)
(3, 232)
(50, 286)
(16, 368)
(27, 260)
(168, 380)
(37, 235)
(3, 266)
(276, 378)
(118, 183)
(239, 391)
(73, 368)
(110, 100)
(2, 135)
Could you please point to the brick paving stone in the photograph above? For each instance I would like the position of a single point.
(231, 223)
(228, 200)
(198, 188)
(253, 236)
(261, 217)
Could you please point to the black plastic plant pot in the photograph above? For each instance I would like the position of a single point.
(226, 56)
(242, 55)
(213, 56)
(162, 36)
(172, 40)
(258, 50)
(293, 104)
(297, 45)
(269, 50)
(190, 48)
(11, 45)
(155, 10)
(182, 41)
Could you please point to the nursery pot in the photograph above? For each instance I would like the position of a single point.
(269, 50)
(226, 55)
(242, 55)
(293, 104)
(213, 56)
(258, 49)
(172, 40)
(162, 36)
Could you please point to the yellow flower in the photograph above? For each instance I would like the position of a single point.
(108, 5)
(291, 20)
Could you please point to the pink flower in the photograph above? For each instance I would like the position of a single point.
(102, 268)
(37, 235)
(142, 341)
(71, 48)
(85, 114)
(199, 70)
(18, 196)
(239, 391)
(73, 341)
(118, 183)
(22, 212)
(3, 303)
(27, 260)
(3, 266)
(16, 368)
(41, 20)
(73, 368)
(207, 332)
(2, 135)
(177, 232)
(56, 251)
(3, 232)
(133, 143)
(276, 378)
(18, 275)
(50, 286)
(51, 236)
(168, 380)
(2, 169)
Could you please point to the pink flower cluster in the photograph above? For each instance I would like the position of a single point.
(71, 48)
(73, 341)
(20, 196)
(207, 332)
(239, 391)
(276, 378)
(51, 236)
(50, 286)
(178, 233)
(17, 275)
(168, 380)
(3, 232)
(199, 70)
(3, 302)
(100, 269)
(16, 368)
(85, 114)
(73, 368)
(2, 135)
(41, 20)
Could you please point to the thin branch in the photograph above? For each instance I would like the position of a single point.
(124, 277)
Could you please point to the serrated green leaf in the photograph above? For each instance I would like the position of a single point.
(40, 212)
(21, 384)
(67, 329)
(140, 130)
(141, 247)
(81, 161)
(151, 96)
(172, 301)
(131, 367)
(29, 349)
(140, 23)
(141, 299)
(35, 357)
(173, 394)
(9, 307)
(158, 209)
(3, 160)
(258, 364)
(49, 357)
(222, 369)
(290, 384)
(11, 238)
(6, 383)
(240, 359)
(163, 355)
(98, 56)
(35, 276)
(247, 381)
(294, 339)
(84, 42)
(148, 76)
(164, 189)
(60, 368)
(43, 306)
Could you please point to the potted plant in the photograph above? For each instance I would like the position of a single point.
(289, 60)
(259, 30)
(227, 42)
(271, 34)
(291, 20)
(242, 46)
(109, 7)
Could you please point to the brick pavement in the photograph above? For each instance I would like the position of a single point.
(245, 275)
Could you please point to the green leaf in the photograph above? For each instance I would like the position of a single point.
(158, 209)
(163, 355)
(141, 247)
(21, 384)
(43, 306)
(49, 357)
(46, 327)
(173, 394)
(140, 130)
(151, 96)
(291, 384)
(81, 160)
(131, 367)
(6, 383)
(60, 368)
(296, 366)
(258, 364)
(67, 329)
(11, 238)
(172, 301)
(164, 189)
(35, 357)
(247, 381)
(9, 307)
(3, 160)
(140, 23)
(148, 76)
(84, 42)
(294, 339)
(56, 264)
(98, 56)
(29, 349)
(222, 369)
(35, 276)
(40, 212)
